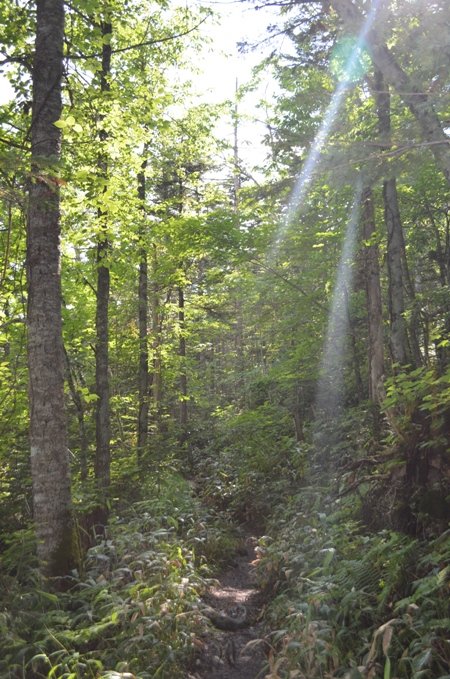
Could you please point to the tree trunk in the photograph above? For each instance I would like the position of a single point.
(398, 337)
(359, 388)
(373, 295)
(144, 378)
(155, 378)
(78, 403)
(183, 376)
(414, 323)
(103, 417)
(418, 103)
(48, 433)
(236, 164)
(103, 424)
(395, 241)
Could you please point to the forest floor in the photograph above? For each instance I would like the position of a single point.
(233, 647)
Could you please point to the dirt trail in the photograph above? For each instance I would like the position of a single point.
(233, 606)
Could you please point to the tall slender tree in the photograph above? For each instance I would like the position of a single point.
(143, 372)
(183, 374)
(374, 305)
(395, 240)
(103, 418)
(48, 435)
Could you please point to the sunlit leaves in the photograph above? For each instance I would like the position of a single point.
(68, 123)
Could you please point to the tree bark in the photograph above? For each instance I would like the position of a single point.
(236, 164)
(79, 406)
(395, 240)
(418, 103)
(144, 377)
(183, 376)
(155, 378)
(398, 336)
(103, 416)
(359, 388)
(374, 305)
(48, 431)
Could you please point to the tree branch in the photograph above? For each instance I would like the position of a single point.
(24, 60)
(293, 285)
(144, 43)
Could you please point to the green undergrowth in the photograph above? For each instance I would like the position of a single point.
(252, 461)
(133, 612)
(354, 564)
(346, 602)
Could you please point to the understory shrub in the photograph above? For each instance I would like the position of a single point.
(351, 603)
(133, 610)
(255, 460)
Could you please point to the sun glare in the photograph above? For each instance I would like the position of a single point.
(331, 378)
(352, 59)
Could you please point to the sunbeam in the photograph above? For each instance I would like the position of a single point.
(349, 71)
(330, 383)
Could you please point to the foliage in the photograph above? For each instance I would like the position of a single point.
(419, 392)
(415, 458)
(350, 602)
(254, 460)
(357, 499)
(133, 609)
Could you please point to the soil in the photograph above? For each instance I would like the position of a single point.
(236, 603)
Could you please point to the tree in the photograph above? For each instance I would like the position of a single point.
(143, 370)
(416, 99)
(374, 304)
(395, 239)
(48, 434)
(103, 417)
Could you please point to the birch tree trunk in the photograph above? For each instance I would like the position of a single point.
(48, 433)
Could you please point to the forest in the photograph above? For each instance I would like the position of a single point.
(224, 384)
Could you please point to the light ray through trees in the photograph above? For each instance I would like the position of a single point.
(329, 389)
(350, 72)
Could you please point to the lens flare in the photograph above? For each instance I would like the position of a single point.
(350, 66)
(350, 51)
